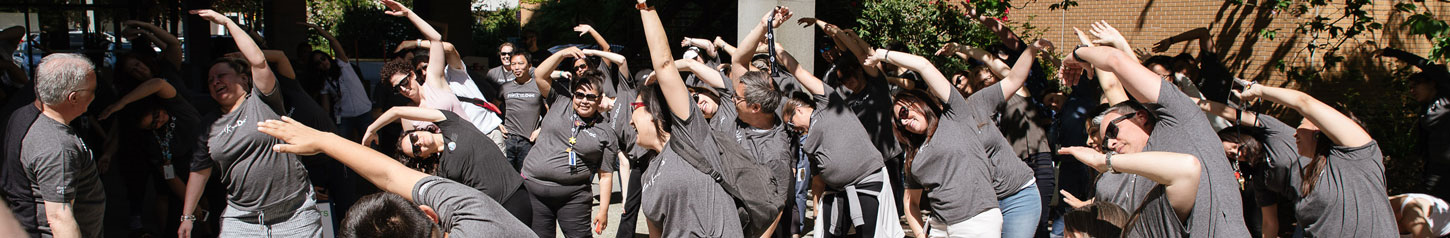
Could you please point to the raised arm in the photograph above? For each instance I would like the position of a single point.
(1201, 34)
(337, 50)
(937, 83)
(665, 73)
(262, 77)
(1109, 36)
(1112, 90)
(400, 112)
(1138, 81)
(725, 46)
(398, 10)
(156, 86)
(703, 44)
(807, 79)
(1224, 111)
(740, 60)
(1425, 65)
(1023, 67)
(386, 173)
(702, 71)
(275, 58)
(1340, 128)
(542, 72)
(598, 39)
(1179, 173)
(1008, 38)
(994, 65)
(171, 48)
(621, 63)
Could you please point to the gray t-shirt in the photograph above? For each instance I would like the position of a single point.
(1349, 198)
(465, 212)
(1024, 126)
(1276, 179)
(952, 167)
(1009, 174)
(468, 159)
(768, 146)
(493, 81)
(873, 110)
(839, 149)
(257, 178)
(681, 200)
(522, 106)
(1181, 128)
(592, 139)
(62, 169)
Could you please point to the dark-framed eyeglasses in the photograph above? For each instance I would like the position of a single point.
(901, 116)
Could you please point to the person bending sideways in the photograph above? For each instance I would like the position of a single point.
(415, 204)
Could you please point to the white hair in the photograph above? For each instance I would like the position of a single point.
(60, 74)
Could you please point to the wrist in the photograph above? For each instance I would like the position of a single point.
(188, 217)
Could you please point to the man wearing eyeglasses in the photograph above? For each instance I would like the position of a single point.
(58, 163)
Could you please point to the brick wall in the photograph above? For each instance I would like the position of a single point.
(1234, 29)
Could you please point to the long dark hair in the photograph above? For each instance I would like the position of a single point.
(1322, 147)
(924, 103)
(654, 102)
(1250, 139)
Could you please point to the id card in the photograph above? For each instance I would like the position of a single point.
(167, 172)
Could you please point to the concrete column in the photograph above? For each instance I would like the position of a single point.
(799, 41)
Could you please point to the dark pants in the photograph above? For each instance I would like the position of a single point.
(567, 206)
(516, 147)
(1046, 173)
(632, 198)
(868, 211)
(521, 205)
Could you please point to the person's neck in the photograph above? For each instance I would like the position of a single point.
(523, 79)
(58, 114)
(759, 120)
(236, 104)
(438, 142)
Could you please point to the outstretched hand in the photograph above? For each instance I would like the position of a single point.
(1107, 35)
(1043, 45)
(947, 49)
(876, 59)
(808, 21)
(583, 29)
(300, 139)
(1162, 45)
(1087, 156)
(1073, 201)
(212, 16)
(396, 9)
(780, 15)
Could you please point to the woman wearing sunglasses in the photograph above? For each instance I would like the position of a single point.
(574, 143)
(452, 148)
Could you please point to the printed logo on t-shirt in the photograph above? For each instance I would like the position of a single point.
(233, 127)
(522, 95)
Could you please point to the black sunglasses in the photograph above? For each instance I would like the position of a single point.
(417, 150)
(404, 82)
(505, 53)
(902, 114)
(586, 96)
(1111, 131)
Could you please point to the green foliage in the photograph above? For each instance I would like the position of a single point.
(373, 33)
(921, 28)
(492, 28)
(1426, 24)
(1064, 4)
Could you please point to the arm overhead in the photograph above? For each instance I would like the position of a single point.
(1340, 128)
(1179, 173)
(740, 60)
(665, 73)
(937, 83)
(262, 77)
(386, 173)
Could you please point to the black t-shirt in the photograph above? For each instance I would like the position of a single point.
(1434, 132)
(173, 143)
(873, 109)
(15, 185)
(1215, 79)
(469, 158)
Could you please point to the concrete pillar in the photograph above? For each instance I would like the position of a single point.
(799, 41)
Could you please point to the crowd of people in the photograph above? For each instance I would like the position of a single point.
(724, 141)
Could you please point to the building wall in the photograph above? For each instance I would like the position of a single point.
(1234, 29)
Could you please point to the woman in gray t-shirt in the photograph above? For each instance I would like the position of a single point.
(1341, 187)
(677, 199)
(268, 193)
(574, 143)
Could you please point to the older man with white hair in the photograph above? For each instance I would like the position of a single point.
(62, 172)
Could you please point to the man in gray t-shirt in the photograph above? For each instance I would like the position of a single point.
(523, 107)
(59, 166)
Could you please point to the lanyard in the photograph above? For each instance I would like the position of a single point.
(579, 125)
(165, 141)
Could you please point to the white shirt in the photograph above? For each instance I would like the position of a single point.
(463, 86)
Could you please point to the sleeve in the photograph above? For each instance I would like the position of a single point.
(274, 100)
(984, 103)
(824, 100)
(609, 156)
(201, 156)
(1175, 108)
(1370, 151)
(55, 175)
(1263, 196)
(452, 121)
(956, 104)
(465, 212)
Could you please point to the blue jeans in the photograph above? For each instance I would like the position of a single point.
(516, 148)
(1020, 212)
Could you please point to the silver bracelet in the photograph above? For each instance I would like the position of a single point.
(1109, 159)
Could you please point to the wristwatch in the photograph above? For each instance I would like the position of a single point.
(188, 217)
(1109, 159)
